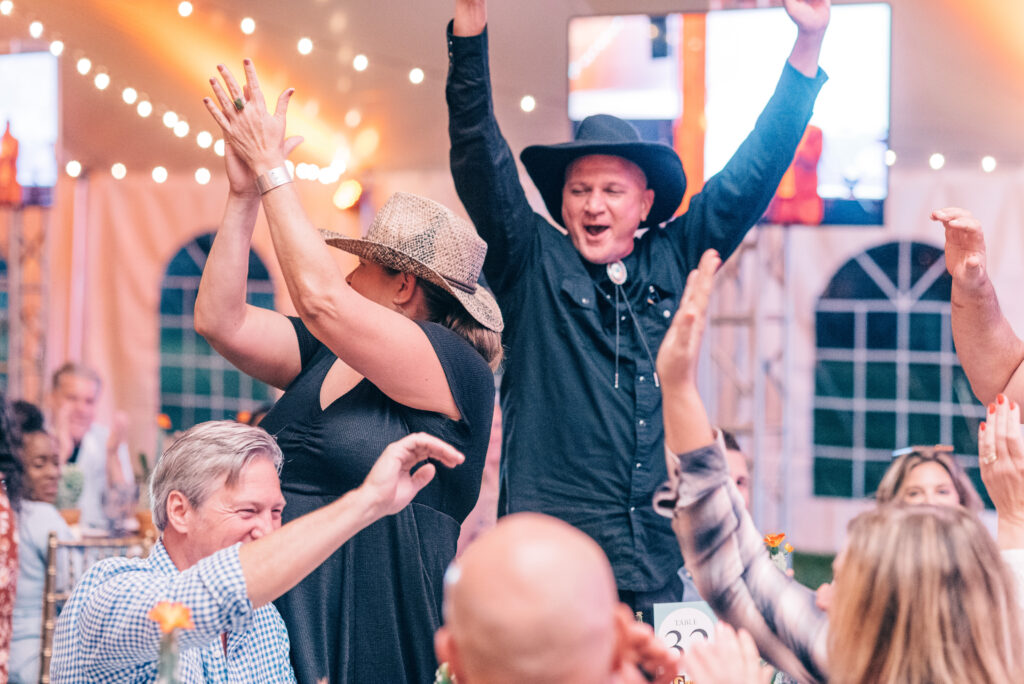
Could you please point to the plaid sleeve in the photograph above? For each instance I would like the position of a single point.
(732, 569)
(113, 626)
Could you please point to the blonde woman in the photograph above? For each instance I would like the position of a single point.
(928, 474)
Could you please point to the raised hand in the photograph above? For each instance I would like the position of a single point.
(810, 16)
(391, 484)
(965, 247)
(677, 357)
(470, 17)
(1001, 459)
(256, 135)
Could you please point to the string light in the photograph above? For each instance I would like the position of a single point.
(890, 157)
(181, 129)
(305, 46)
(248, 25)
(416, 76)
(159, 174)
(347, 194)
(988, 163)
(73, 168)
(5, 7)
(35, 29)
(185, 8)
(203, 176)
(936, 161)
(102, 80)
(204, 139)
(129, 95)
(83, 65)
(527, 104)
(218, 148)
(118, 171)
(353, 118)
(170, 118)
(144, 109)
(56, 48)
(360, 62)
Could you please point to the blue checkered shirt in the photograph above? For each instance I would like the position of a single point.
(104, 633)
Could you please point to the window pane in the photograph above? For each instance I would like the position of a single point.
(834, 330)
(926, 332)
(880, 430)
(833, 477)
(880, 381)
(833, 379)
(925, 382)
(881, 330)
(833, 428)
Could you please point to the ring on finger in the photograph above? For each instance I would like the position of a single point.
(239, 104)
(990, 459)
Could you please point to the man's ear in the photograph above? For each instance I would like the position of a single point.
(648, 202)
(178, 510)
(447, 652)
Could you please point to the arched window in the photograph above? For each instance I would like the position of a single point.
(197, 383)
(886, 374)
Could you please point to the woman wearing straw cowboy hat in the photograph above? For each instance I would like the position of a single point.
(405, 343)
(587, 310)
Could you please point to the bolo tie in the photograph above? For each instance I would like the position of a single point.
(617, 274)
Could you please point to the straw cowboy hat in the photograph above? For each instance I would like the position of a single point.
(606, 134)
(415, 235)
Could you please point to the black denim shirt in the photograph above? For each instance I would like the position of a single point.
(574, 446)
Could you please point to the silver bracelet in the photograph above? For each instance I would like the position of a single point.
(268, 180)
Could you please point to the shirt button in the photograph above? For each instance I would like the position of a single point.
(622, 318)
(639, 465)
(641, 422)
(632, 508)
(585, 300)
(666, 313)
(641, 378)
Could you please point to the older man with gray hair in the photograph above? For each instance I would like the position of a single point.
(223, 553)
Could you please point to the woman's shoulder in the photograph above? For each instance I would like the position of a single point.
(452, 347)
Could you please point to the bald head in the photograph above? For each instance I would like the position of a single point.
(533, 599)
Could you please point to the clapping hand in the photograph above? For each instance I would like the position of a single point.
(1001, 458)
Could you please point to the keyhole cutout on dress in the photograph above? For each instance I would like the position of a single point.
(340, 380)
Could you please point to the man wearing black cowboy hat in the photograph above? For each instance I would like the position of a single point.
(586, 311)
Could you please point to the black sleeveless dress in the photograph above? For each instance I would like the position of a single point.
(369, 613)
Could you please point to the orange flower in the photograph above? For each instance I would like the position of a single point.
(171, 616)
(788, 547)
(163, 421)
(773, 540)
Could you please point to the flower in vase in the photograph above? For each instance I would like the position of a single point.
(170, 616)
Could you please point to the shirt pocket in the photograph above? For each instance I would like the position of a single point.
(659, 307)
(579, 300)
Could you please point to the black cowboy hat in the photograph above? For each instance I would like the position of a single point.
(606, 134)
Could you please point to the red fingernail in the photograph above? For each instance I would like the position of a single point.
(1013, 406)
(982, 426)
(991, 408)
(246, 61)
(1000, 398)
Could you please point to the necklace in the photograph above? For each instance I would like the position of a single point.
(618, 274)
